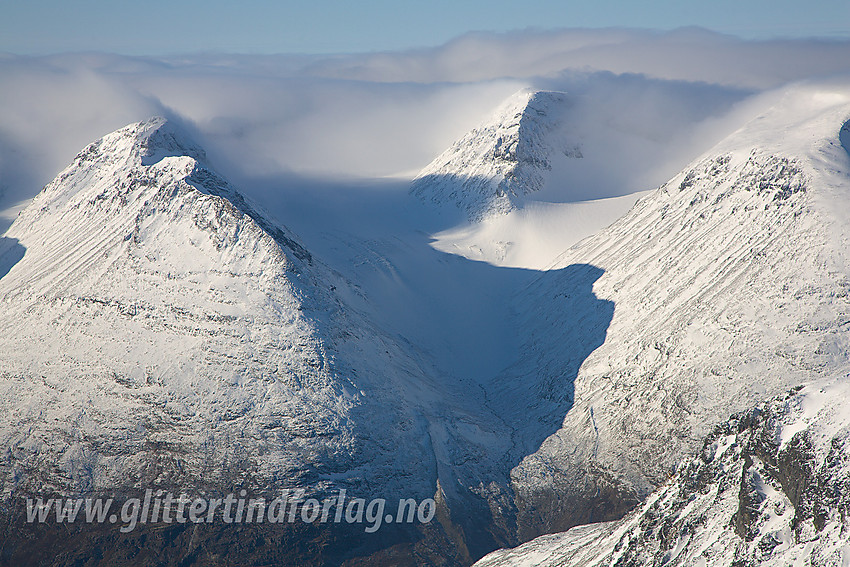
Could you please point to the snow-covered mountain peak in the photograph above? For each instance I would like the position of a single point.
(119, 164)
(146, 303)
(142, 164)
(490, 169)
(142, 143)
(138, 275)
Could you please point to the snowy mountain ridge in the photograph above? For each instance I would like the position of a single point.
(729, 286)
(767, 487)
(159, 328)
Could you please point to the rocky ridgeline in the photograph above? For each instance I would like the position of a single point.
(768, 486)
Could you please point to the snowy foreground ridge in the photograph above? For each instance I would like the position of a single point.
(160, 329)
(768, 486)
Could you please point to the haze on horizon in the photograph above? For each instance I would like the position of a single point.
(261, 27)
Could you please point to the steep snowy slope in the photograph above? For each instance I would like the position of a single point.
(157, 328)
(769, 486)
(729, 284)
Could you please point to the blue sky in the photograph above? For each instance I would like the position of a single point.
(156, 27)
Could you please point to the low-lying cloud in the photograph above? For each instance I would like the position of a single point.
(687, 54)
(385, 114)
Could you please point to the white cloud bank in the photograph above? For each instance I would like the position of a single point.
(374, 115)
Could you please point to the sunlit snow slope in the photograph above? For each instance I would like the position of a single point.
(730, 284)
(494, 166)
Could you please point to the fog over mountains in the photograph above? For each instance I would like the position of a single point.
(587, 310)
